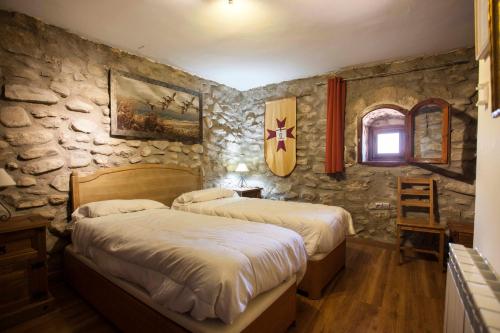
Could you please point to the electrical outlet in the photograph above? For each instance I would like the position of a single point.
(382, 205)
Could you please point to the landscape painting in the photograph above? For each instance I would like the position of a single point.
(146, 108)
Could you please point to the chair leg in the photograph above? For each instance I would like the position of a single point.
(398, 244)
(441, 250)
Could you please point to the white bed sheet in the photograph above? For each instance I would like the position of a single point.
(254, 309)
(209, 267)
(322, 227)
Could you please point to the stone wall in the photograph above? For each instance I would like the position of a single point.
(452, 77)
(54, 117)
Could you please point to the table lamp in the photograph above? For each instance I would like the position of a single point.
(242, 168)
(5, 181)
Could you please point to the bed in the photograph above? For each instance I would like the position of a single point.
(323, 228)
(175, 237)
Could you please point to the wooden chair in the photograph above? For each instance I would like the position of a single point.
(418, 192)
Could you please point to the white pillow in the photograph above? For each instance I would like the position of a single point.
(108, 207)
(204, 195)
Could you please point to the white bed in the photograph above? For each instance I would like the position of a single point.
(158, 270)
(323, 228)
(254, 309)
(210, 267)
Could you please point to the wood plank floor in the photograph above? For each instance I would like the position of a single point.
(373, 294)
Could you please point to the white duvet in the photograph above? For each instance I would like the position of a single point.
(322, 227)
(209, 267)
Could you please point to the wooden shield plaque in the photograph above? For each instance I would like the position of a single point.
(280, 123)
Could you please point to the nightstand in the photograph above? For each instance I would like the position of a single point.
(249, 192)
(23, 269)
(461, 233)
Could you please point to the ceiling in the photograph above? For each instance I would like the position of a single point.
(252, 43)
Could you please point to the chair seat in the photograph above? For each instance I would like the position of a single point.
(422, 223)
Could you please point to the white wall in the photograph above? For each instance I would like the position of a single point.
(487, 220)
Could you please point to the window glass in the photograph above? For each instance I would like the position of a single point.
(382, 136)
(388, 143)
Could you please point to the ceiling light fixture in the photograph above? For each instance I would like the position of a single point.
(230, 2)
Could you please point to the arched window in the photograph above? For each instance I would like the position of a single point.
(382, 135)
(390, 135)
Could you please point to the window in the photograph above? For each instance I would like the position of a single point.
(388, 143)
(383, 138)
(390, 135)
(429, 129)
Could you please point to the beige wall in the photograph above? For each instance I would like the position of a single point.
(487, 221)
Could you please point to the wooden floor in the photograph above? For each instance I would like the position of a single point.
(373, 294)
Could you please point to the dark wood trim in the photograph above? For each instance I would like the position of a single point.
(384, 163)
(445, 132)
(320, 272)
(251, 192)
(494, 18)
(23, 269)
(129, 314)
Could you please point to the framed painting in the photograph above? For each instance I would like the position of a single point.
(494, 15)
(482, 29)
(147, 108)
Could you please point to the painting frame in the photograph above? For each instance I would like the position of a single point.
(494, 13)
(481, 28)
(115, 75)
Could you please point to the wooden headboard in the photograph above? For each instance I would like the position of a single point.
(158, 182)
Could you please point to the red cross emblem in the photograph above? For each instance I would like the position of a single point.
(281, 133)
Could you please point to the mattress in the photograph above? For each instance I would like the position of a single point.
(322, 227)
(207, 266)
(254, 309)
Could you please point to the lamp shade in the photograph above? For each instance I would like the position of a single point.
(6, 179)
(242, 167)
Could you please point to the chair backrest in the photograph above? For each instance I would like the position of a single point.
(416, 192)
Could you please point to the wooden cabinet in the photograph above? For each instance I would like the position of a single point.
(249, 192)
(461, 233)
(23, 269)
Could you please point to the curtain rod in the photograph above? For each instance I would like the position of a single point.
(461, 62)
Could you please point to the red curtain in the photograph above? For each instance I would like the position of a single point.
(335, 125)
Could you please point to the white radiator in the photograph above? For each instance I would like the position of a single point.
(472, 293)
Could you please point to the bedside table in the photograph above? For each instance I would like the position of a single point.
(23, 269)
(461, 233)
(249, 192)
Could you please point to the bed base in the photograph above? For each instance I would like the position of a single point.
(131, 315)
(319, 273)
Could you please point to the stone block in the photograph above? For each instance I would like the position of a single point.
(30, 154)
(102, 150)
(58, 199)
(60, 88)
(79, 104)
(28, 137)
(22, 93)
(61, 183)
(26, 181)
(83, 125)
(14, 116)
(42, 166)
(79, 159)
